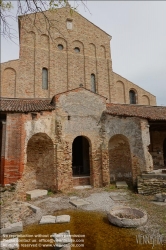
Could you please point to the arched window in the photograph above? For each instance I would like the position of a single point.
(132, 96)
(93, 83)
(44, 78)
(77, 50)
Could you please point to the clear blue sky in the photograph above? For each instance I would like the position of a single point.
(138, 46)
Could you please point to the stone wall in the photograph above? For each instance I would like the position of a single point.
(156, 148)
(78, 113)
(40, 145)
(137, 134)
(148, 184)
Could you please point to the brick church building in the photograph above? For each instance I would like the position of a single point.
(66, 119)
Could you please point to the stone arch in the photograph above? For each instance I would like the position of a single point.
(120, 92)
(164, 151)
(102, 51)
(92, 50)
(40, 162)
(44, 41)
(78, 44)
(133, 97)
(145, 100)
(8, 87)
(62, 41)
(120, 164)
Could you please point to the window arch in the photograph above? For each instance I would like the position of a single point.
(44, 78)
(132, 96)
(93, 83)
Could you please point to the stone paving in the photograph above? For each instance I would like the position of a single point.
(78, 202)
(119, 196)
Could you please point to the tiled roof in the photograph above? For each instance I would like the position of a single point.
(148, 112)
(25, 105)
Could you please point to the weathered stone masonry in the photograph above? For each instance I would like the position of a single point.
(65, 116)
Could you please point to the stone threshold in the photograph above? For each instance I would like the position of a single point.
(79, 177)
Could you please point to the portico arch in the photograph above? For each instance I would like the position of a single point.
(40, 161)
(120, 159)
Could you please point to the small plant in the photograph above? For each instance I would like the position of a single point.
(28, 198)
(50, 192)
(110, 187)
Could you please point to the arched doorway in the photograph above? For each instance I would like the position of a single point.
(40, 162)
(120, 159)
(164, 152)
(80, 157)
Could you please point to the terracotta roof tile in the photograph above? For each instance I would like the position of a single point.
(25, 105)
(148, 112)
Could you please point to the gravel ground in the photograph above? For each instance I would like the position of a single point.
(98, 198)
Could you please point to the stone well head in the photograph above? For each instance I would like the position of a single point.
(127, 217)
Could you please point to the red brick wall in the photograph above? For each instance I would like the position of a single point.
(13, 158)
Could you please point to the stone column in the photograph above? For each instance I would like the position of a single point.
(145, 144)
(95, 173)
(63, 167)
(105, 166)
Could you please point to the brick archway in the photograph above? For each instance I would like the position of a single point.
(120, 159)
(40, 161)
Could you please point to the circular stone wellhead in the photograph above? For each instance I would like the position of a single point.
(127, 217)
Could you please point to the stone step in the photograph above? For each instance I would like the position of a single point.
(33, 194)
(50, 219)
(12, 228)
(121, 184)
(82, 187)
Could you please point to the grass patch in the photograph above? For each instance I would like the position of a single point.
(28, 198)
(163, 231)
(50, 192)
(110, 187)
(72, 194)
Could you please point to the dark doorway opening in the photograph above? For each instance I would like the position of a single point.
(80, 157)
(164, 152)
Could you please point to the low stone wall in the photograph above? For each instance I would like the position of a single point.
(148, 184)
